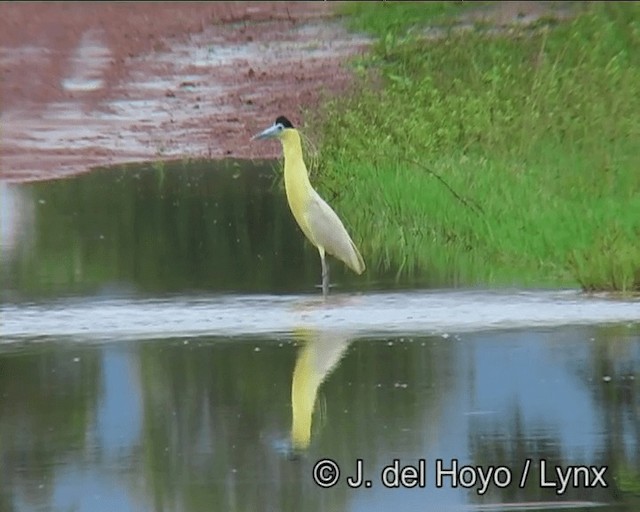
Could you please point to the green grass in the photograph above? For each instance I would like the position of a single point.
(540, 128)
(384, 18)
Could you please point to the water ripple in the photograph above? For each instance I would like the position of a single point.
(425, 312)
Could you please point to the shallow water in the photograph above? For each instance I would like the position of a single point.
(150, 360)
(151, 230)
(202, 422)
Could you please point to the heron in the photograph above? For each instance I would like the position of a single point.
(317, 220)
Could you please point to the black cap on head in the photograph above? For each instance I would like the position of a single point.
(284, 122)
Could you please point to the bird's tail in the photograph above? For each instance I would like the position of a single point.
(356, 263)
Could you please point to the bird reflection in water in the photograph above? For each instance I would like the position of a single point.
(319, 354)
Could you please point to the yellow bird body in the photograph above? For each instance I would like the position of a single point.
(317, 220)
(320, 224)
(296, 181)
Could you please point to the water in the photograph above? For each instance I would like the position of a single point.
(163, 347)
(411, 312)
(152, 231)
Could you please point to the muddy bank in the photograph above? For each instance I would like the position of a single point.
(87, 84)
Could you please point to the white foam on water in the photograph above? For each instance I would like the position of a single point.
(424, 312)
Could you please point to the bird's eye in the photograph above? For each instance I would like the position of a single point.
(280, 127)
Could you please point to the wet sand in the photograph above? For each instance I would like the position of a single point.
(95, 84)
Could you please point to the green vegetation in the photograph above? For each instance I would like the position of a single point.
(385, 18)
(538, 126)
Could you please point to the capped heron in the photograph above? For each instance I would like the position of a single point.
(320, 224)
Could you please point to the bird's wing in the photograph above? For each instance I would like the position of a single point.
(329, 232)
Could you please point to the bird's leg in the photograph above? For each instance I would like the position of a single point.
(325, 274)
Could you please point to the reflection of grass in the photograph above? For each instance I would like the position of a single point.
(628, 480)
(540, 128)
(50, 403)
(163, 227)
(217, 406)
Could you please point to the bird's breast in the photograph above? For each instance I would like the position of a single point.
(297, 198)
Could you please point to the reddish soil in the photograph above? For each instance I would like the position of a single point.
(90, 84)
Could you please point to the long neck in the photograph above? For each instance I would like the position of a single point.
(295, 171)
(304, 388)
